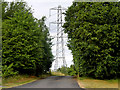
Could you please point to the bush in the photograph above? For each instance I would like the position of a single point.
(8, 71)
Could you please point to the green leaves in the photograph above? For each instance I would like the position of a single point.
(68, 70)
(26, 41)
(94, 37)
(8, 70)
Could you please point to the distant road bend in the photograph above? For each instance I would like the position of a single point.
(53, 82)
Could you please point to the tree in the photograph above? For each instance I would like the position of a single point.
(68, 70)
(26, 42)
(72, 71)
(94, 38)
(8, 9)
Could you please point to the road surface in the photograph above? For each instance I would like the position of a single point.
(53, 82)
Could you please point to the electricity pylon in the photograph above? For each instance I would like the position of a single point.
(60, 51)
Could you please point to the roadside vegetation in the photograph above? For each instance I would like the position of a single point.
(17, 80)
(57, 74)
(26, 45)
(86, 82)
(94, 39)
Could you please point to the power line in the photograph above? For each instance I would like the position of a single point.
(60, 51)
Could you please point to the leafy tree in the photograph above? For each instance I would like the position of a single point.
(94, 37)
(8, 71)
(26, 42)
(68, 70)
(8, 9)
(63, 70)
(72, 71)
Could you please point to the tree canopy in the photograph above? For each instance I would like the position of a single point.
(93, 30)
(26, 41)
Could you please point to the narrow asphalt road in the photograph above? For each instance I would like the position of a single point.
(53, 82)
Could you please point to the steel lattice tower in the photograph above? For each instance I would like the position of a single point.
(60, 51)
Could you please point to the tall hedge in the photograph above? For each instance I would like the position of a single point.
(26, 41)
(93, 30)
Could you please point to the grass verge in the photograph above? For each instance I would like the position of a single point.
(57, 74)
(85, 82)
(20, 80)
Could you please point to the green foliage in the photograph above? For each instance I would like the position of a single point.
(63, 70)
(72, 71)
(94, 37)
(26, 41)
(8, 9)
(68, 70)
(8, 71)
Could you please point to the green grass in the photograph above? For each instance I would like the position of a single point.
(17, 80)
(57, 74)
(20, 80)
(86, 82)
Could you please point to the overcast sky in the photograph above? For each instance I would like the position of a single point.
(40, 9)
